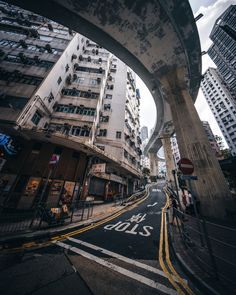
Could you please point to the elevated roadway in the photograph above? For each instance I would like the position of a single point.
(159, 40)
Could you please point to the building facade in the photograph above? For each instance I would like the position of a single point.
(63, 97)
(222, 105)
(223, 49)
(214, 145)
(175, 149)
(144, 133)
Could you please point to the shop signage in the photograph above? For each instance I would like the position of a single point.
(115, 178)
(98, 168)
(9, 145)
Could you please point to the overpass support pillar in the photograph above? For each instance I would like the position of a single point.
(211, 187)
(169, 159)
(153, 164)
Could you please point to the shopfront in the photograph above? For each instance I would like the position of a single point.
(33, 179)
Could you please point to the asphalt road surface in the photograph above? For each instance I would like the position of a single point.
(121, 256)
(116, 258)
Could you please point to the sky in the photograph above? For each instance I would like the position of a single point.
(211, 10)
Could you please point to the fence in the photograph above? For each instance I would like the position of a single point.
(212, 246)
(43, 217)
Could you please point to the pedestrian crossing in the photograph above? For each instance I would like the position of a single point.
(78, 246)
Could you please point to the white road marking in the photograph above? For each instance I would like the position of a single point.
(119, 269)
(120, 257)
(154, 204)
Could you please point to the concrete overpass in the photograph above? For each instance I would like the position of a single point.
(159, 40)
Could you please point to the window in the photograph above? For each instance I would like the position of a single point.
(107, 107)
(104, 118)
(36, 118)
(70, 109)
(23, 59)
(102, 132)
(59, 80)
(90, 70)
(76, 92)
(118, 134)
(17, 77)
(110, 87)
(80, 131)
(46, 38)
(79, 80)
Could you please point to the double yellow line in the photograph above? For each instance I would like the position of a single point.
(164, 257)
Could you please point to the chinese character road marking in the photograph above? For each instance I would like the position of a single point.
(137, 218)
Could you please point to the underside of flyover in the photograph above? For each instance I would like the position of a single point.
(159, 40)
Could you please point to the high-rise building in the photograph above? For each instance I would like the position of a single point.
(175, 149)
(144, 133)
(64, 98)
(223, 49)
(212, 140)
(221, 104)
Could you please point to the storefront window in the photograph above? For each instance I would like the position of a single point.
(67, 194)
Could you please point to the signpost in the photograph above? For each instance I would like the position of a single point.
(52, 162)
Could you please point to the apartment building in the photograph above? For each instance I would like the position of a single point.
(223, 49)
(144, 133)
(175, 149)
(221, 104)
(212, 140)
(63, 96)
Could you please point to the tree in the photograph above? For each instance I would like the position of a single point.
(219, 141)
(226, 153)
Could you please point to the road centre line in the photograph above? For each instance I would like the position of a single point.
(161, 260)
(118, 256)
(121, 270)
(164, 241)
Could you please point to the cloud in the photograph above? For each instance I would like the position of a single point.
(206, 23)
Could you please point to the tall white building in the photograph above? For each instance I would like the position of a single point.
(212, 140)
(144, 133)
(62, 94)
(175, 149)
(223, 48)
(222, 105)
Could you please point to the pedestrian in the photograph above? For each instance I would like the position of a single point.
(174, 208)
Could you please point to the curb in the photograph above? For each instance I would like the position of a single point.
(201, 285)
(28, 237)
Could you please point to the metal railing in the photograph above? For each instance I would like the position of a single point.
(212, 246)
(42, 217)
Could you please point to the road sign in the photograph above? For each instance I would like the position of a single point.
(54, 159)
(186, 166)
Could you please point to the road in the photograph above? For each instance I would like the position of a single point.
(117, 257)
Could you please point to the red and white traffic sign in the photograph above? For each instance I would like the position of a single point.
(54, 159)
(186, 166)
